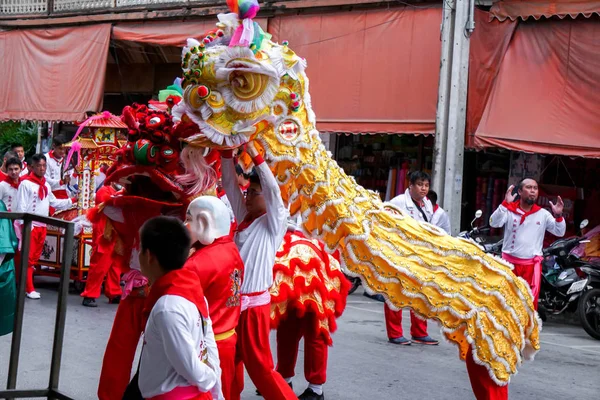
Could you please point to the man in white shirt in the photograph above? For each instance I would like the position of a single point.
(525, 224)
(9, 185)
(440, 216)
(35, 196)
(20, 150)
(262, 219)
(414, 202)
(179, 359)
(55, 158)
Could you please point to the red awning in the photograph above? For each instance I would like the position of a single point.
(546, 95)
(537, 9)
(372, 71)
(167, 33)
(52, 74)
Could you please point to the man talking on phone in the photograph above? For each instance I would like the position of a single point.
(525, 224)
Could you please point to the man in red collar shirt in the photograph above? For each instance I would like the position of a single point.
(262, 219)
(219, 265)
(58, 181)
(525, 224)
(9, 184)
(34, 196)
(414, 202)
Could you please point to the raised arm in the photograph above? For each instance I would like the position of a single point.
(182, 350)
(232, 189)
(276, 212)
(556, 225)
(500, 216)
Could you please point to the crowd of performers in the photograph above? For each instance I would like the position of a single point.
(203, 295)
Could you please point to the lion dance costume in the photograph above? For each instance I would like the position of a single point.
(239, 86)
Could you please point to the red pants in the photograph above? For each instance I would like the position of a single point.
(393, 324)
(483, 386)
(36, 245)
(528, 272)
(254, 351)
(227, 349)
(120, 349)
(289, 333)
(101, 265)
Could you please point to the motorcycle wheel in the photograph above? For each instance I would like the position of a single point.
(589, 312)
(355, 283)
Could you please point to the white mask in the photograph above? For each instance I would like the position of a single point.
(208, 219)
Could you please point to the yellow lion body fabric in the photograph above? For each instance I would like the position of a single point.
(238, 91)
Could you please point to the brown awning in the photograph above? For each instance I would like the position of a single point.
(52, 74)
(537, 9)
(372, 71)
(546, 95)
(167, 33)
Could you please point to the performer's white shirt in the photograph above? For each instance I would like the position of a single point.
(259, 242)
(25, 170)
(179, 350)
(406, 203)
(53, 176)
(526, 240)
(225, 200)
(28, 201)
(8, 195)
(441, 219)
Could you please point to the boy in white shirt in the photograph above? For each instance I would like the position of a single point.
(20, 150)
(9, 184)
(179, 358)
(440, 217)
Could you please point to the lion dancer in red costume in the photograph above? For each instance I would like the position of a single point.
(148, 166)
(262, 220)
(217, 262)
(308, 294)
(102, 263)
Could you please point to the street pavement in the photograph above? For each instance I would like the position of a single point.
(362, 364)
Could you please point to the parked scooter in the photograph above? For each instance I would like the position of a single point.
(570, 284)
(476, 234)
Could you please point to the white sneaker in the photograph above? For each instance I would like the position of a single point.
(34, 295)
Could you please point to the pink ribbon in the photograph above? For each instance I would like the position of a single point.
(76, 147)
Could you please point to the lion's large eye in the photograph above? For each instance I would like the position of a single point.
(248, 86)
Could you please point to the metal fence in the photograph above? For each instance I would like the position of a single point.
(51, 392)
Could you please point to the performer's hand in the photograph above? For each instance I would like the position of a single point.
(510, 196)
(557, 209)
(67, 179)
(251, 149)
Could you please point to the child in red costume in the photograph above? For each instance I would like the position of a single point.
(217, 262)
(262, 216)
(102, 263)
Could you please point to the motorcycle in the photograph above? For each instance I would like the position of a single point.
(476, 234)
(570, 284)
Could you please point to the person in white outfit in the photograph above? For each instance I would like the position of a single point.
(179, 358)
(35, 197)
(525, 225)
(9, 184)
(440, 217)
(414, 202)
